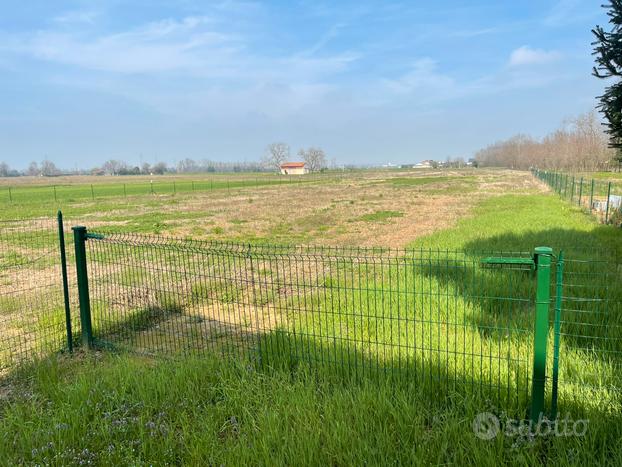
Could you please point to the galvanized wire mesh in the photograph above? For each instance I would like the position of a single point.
(435, 317)
(32, 311)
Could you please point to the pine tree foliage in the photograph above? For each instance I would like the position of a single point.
(608, 53)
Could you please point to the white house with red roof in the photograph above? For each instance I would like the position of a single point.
(294, 168)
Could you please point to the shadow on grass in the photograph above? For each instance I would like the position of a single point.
(432, 380)
(591, 297)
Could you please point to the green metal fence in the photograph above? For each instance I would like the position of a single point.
(602, 198)
(528, 331)
(20, 194)
(590, 331)
(34, 290)
(449, 320)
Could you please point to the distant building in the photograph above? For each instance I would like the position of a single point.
(428, 164)
(294, 168)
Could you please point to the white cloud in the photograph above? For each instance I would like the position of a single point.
(525, 55)
(76, 17)
(160, 46)
(423, 77)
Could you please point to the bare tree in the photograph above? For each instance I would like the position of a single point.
(49, 169)
(4, 169)
(159, 168)
(187, 166)
(579, 144)
(33, 169)
(315, 158)
(275, 155)
(114, 167)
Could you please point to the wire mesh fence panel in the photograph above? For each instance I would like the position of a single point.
(437, 318)
(591, 332)
(32, 306)
(602, 198)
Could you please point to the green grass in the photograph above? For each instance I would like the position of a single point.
(123, 187)
(381, 216)
(320, 399)
(118, 410)
(522, 222)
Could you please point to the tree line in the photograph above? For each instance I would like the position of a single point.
(47, 168)
(580, 144)
(274, 155)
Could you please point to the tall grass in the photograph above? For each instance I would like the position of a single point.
(117, 410)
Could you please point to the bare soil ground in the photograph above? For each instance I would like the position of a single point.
(371, 209)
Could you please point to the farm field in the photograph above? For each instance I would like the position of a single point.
(107, 408)
(378, 208)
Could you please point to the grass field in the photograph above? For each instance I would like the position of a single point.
(106, 408)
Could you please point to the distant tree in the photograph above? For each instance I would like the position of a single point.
(33, 169)
(187, 166)
(114, 167)
(49, 169)
(145, 168)
(5, 170)
(159, 168)
(315, 158)
(608, 52)
(275, 155)
(579, 145)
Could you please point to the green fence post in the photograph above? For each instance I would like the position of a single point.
(124, 190)
(174, 188)
(572, 190)
(92, 193)
(63, 266)
(607, 209)
(557, 331)
(542, 257)
(592, 195)
(79, 238)
(55, 198)
(580, 190)
(566, 187)
(10, 195)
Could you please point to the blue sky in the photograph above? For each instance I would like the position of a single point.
(370, 82)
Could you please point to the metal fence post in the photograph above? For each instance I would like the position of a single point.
(566, 187)
(542, 257)
(592, 195)
(572, 190)
(63, 265)
(79, 237)
(580, 190)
